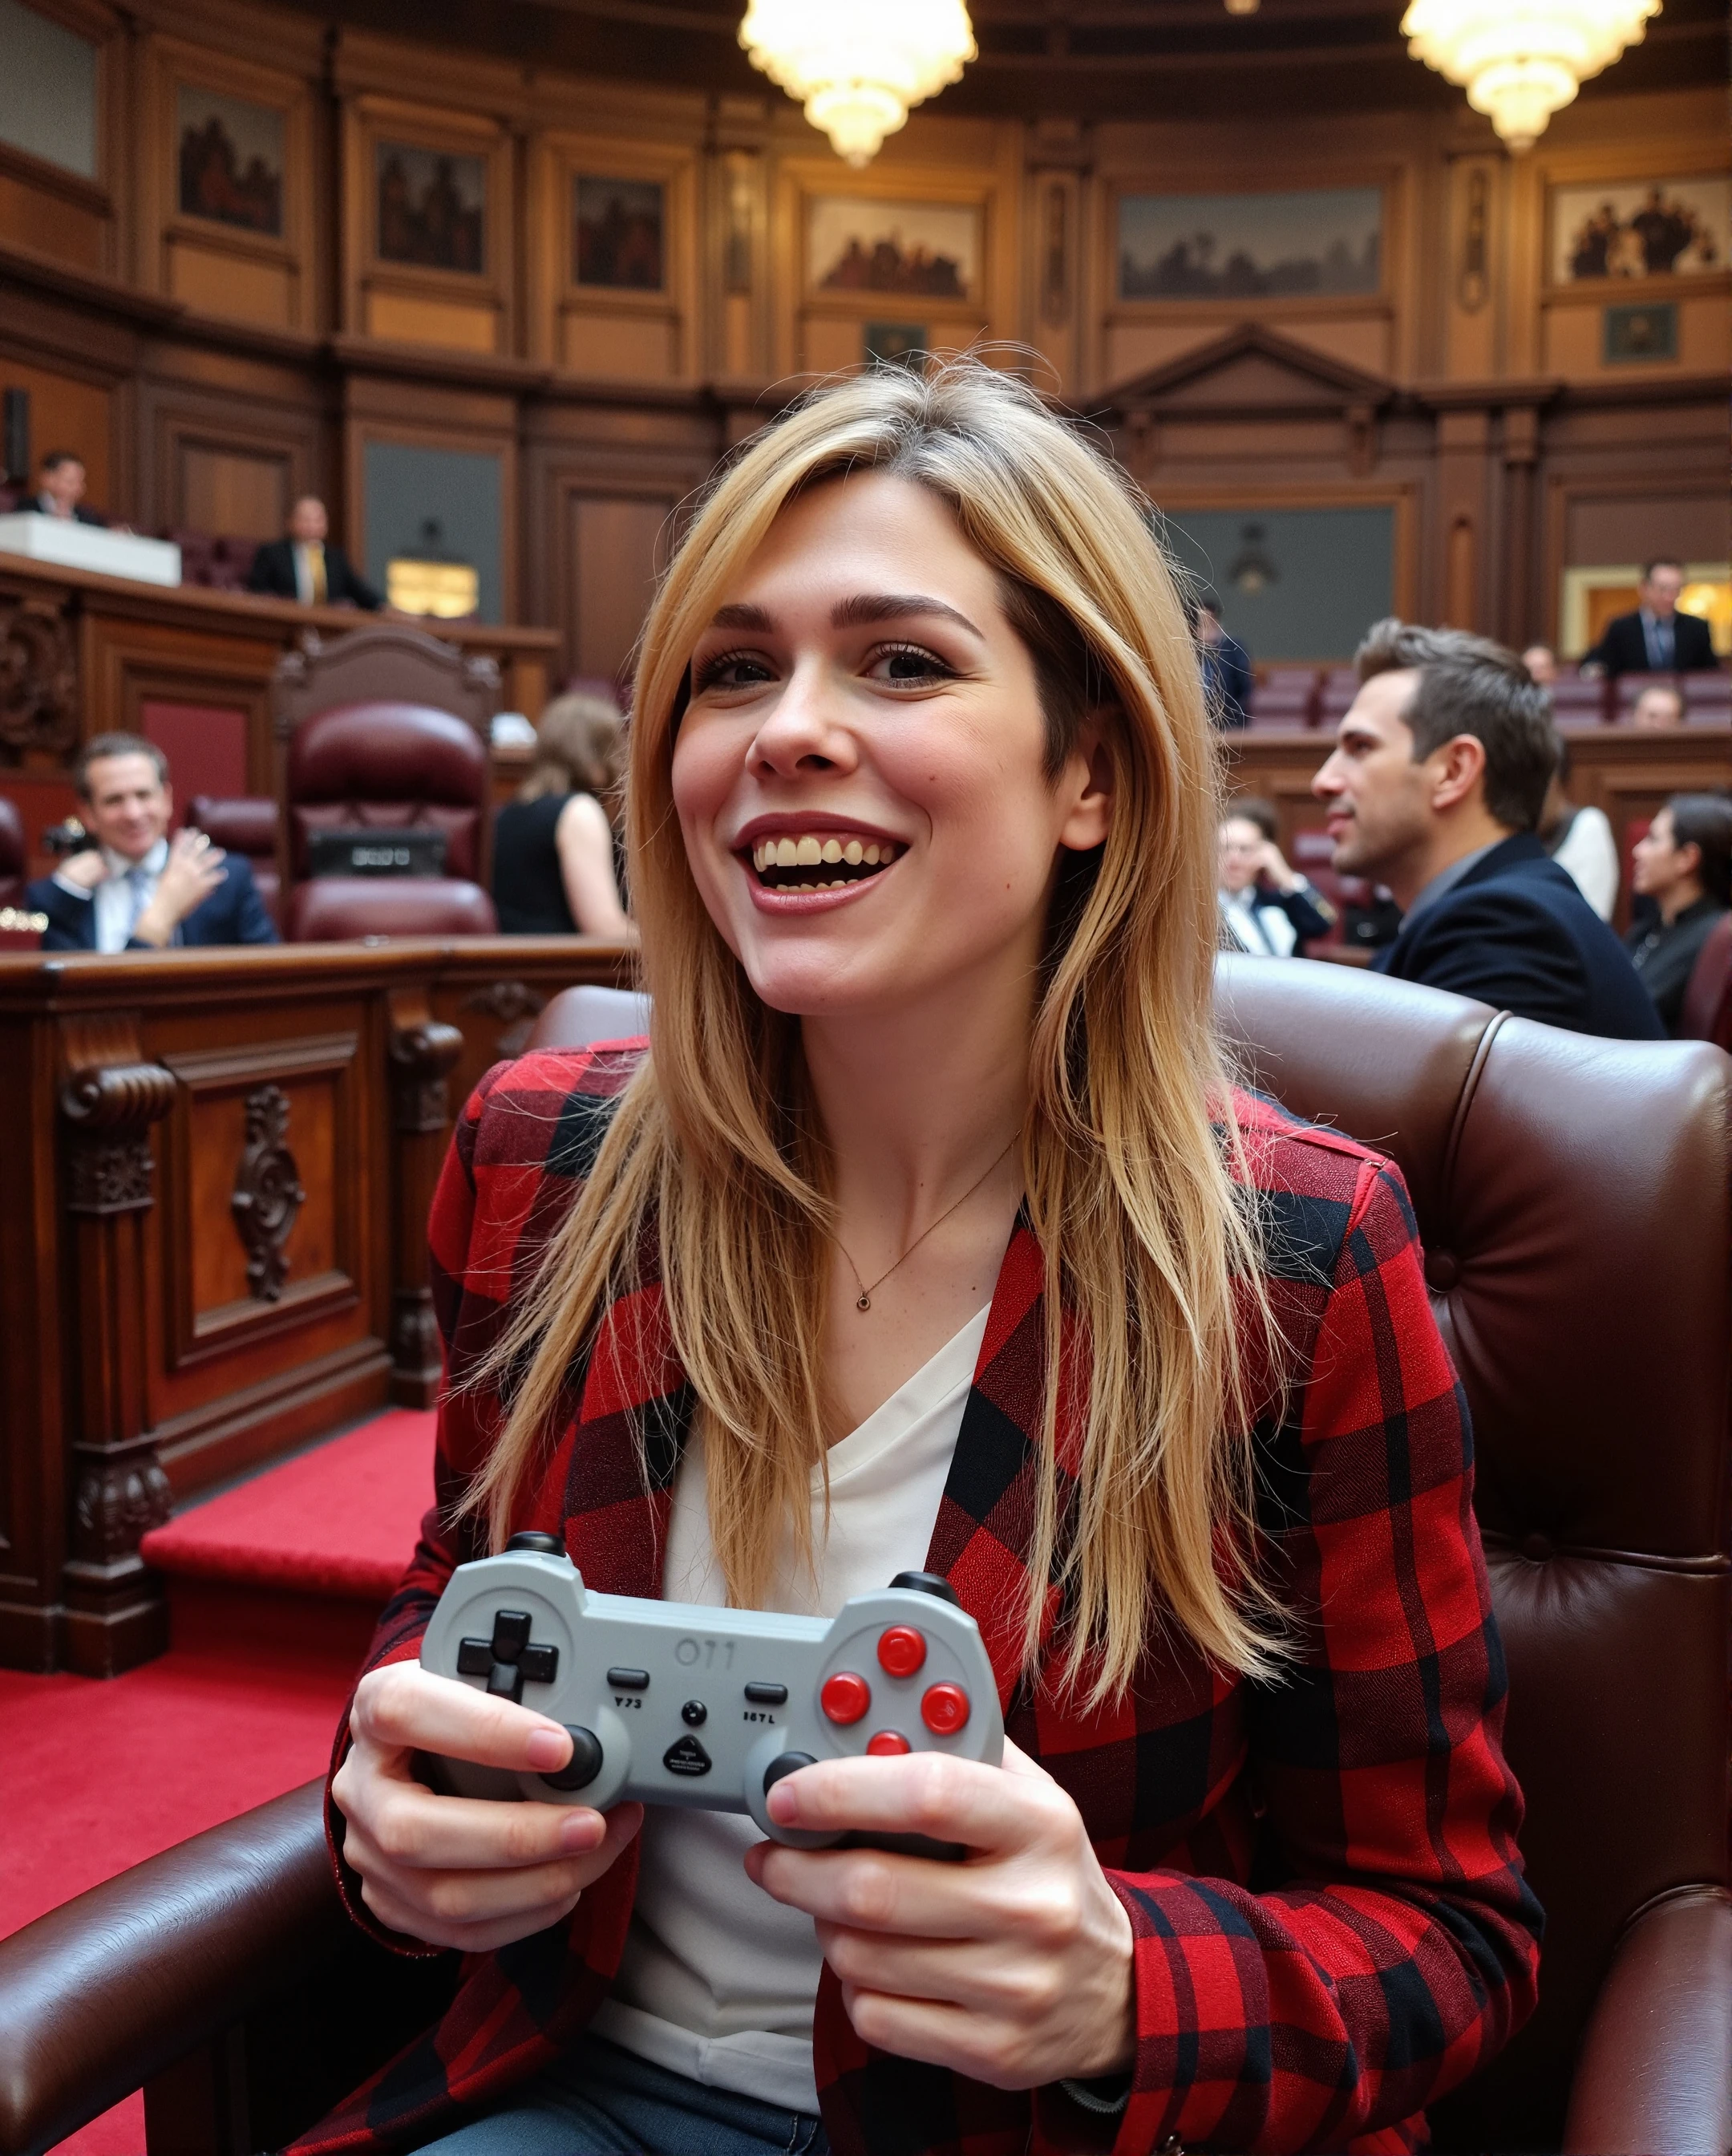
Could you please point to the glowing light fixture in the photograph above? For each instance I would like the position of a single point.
(1522, 60)
(857, 65)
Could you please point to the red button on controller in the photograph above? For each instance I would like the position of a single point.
(945, 1709)
(846, 1697)
(886, 1744)
(901, 1650)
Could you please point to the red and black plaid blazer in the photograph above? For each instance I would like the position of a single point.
(1332, 1926)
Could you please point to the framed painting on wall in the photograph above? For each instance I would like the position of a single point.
(1649, 228)
(230, 160)
(618, 228)
(925, 250)
(1311, 242)
(431, 207)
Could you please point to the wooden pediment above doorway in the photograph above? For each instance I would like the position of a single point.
(1250, 372)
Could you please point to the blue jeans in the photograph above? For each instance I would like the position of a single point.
(598, 2100)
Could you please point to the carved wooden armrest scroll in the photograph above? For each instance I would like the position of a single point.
(110, 1097)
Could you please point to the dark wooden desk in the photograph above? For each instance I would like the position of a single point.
(83, 654)
(173, 1312)
(1626, 773)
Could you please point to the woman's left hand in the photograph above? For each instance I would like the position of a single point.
(1013, 1968)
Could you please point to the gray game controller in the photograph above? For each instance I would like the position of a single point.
(677, 1704)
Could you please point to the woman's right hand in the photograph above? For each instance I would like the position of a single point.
(462, 1871)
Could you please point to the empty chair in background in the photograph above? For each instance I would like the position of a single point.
(553, 847)
(1684, 863)
(1580, 839)
(1285, 696)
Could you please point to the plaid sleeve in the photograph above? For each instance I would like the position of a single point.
(1402, 1950)
(526, 1139)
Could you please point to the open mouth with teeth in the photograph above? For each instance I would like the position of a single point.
(816, 861)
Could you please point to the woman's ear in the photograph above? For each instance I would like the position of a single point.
(1086, 788)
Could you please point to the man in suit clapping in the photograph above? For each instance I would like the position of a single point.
(305, 565)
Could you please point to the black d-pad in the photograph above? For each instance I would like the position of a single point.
(509, 1658)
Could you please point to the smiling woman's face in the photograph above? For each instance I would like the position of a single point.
(859, 772)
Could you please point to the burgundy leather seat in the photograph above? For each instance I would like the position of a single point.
(1575, 1198)
(339, 909)
(390, 767)
(14, 854)
(249, 824)
(1707, 994)
(1285, 696)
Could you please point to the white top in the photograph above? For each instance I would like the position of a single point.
(718, 1980)
(1264, 930)
(123, 893)
(1590, 854)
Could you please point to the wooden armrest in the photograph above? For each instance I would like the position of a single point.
(98, 1996)
(1654, 2077)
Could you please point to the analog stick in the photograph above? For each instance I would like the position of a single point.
(585, 1763)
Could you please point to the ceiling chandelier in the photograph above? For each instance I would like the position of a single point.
(857, 65)
(1522, 60)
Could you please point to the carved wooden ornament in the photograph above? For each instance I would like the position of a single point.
(268, 1193)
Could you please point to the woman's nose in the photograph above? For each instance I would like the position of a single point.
(805, 730)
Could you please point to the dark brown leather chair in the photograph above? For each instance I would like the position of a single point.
(247, 825)
(1707, 1013)
(389, 662)
(340, 909)
(1574, 1196)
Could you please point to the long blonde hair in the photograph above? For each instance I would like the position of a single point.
(1150, 1253)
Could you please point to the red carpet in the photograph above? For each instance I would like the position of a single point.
(273, 1585)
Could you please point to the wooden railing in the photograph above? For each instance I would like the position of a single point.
(213, 1201)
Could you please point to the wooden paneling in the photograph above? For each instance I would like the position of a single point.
(68, 412)
(614, 556)
(212, 1222)
(243, 494)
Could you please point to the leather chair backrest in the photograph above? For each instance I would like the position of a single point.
(14, 853)
(247, 824)
(1339, 687)
(1285, 696)
(340, 909)
(576, 1018)
(385, 766)
(383, 663)
(1707, 1013)
(1576, 701)
(1708, 697)
(1313, 853)
(1574, 1196)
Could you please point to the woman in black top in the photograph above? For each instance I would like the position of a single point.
(1684, 864)
(553, 846)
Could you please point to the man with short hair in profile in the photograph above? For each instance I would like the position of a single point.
(1435, 787)
(136, 888)
(60, 479)
(307, 565)
(1658, 710)
(1657, 638)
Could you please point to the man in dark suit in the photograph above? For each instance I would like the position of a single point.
(1657, 638)
(1435, 789)
(136, 890)
(305, 565)
(1226, 667)
(60, 488)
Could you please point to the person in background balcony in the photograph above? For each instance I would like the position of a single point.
(1435, 787)
(1541, 662)
(136, 888)
(1658, 710)
(305, 565)
(1657, 638)
(60, 490)
(1684, 863)
(553, 870)
(1225, 665)
(1267, 908)
(1578, 840)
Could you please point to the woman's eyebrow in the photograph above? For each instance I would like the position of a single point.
(743, 615)
(867, 608)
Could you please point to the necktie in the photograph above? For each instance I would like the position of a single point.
(138, 896)
(315, 571)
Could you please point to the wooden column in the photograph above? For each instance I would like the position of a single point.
(116, 1613)
(422, 1052)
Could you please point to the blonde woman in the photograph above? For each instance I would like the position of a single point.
(928, 1232)
(553, 845)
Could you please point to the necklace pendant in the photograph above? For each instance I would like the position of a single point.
(865, 1301)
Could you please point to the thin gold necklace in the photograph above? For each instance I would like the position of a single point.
(866, 1292)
